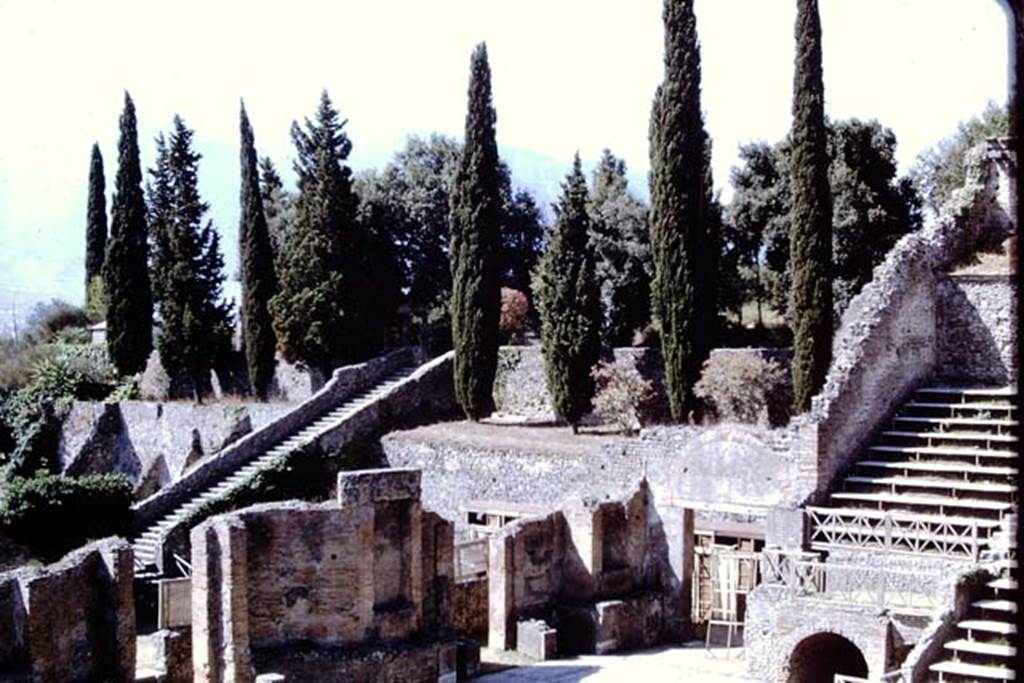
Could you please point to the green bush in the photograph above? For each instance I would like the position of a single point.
(622, 395)
(745, 387)
(47, 320)
(52, 514)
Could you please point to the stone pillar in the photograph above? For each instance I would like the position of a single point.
(220, 610)
(787, 529)
(119, 565)
(678, 526)
(500, 593)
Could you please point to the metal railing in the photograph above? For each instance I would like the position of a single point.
(895, 532)
(471, 559)
(901, 591)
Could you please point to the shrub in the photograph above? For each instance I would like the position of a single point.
(515, 314)
(52, 514)
(48, 319)
(745, 387)
(622, 395)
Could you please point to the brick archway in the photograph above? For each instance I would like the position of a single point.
(820, 657)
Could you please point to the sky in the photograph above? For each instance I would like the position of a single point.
(567, 75)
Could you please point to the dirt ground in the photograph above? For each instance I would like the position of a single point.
(498, 434)
(689, 662)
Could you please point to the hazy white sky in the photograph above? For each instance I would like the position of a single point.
(567, 75)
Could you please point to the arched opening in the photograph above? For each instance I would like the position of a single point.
(820, 657)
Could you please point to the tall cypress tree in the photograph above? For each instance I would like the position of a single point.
(476, 218)
(259, 282)
(317, 314)
(811, 218)
(679, 209)
(125, 274)
(569, 304)
(187, 268)
(95, 232)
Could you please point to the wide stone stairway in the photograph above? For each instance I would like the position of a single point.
(220, 482)
(938, 480)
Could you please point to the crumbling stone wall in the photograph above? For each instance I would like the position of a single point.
(73, 620)
(336, 582)
(154, 443)
(598, 572)
(977, 316)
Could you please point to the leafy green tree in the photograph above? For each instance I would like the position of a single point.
(187, 267)
(522, 237)
(259, 281)
(871, 209)
(679, 208)
(278, 205)
(95, 233)
(322, 312)
(810, 250)
(476, 219)
(569, 304)
(940, 170)
(125, 274)
(622, 252)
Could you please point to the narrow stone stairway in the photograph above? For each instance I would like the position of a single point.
(985, 645)
(147, 544)
(938, 480)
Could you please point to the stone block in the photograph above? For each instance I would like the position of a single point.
(174, 654)
(271, 678)
(628, 624)
(365, 487)
(536, 639)
(468, 659)
(787, 529)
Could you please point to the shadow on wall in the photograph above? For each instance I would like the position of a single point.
(972, 313)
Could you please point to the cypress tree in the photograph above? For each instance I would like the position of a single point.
(187, 268)
(259, 283)
(569, 304)
(811, 218)
(476, 218)
(320, 316)
(278, 205)
(125, 274)
(95, 232)
(679, 209)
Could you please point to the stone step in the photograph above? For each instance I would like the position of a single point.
(946, 467)
(944, 451)
(1000, 410)
(955, 422)
(996, 605)
(921, 482)
(1008, 391)
(951, 436)
(1003, 584)
(1002, 628)
(980, 648)
(940, 502)
(995, 673)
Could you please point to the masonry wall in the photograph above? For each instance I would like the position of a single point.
(977, 316)
(73, 620)
(371, 569)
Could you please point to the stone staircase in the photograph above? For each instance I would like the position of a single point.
(938, 480)
(985, 645)
(351, 404)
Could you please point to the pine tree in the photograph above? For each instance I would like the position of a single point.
(95, 233)
(323, 310)
(259, 282)
(476, 218)
(810, 250)
(569, 304)
(125, 275)
(187, 268)
(622, 252)
(278, 205)
(678, 219)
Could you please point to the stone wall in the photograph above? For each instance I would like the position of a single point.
(287, 588)
(469, 606)
(520, 387)
(977, 316)
(71, 620)
(595, 576)
(154, 443)
(737, 467)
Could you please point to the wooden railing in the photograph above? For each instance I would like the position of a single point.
(471, 559)
(902, 591)
(894, 532)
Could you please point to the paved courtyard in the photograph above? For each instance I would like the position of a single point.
(690, 662)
